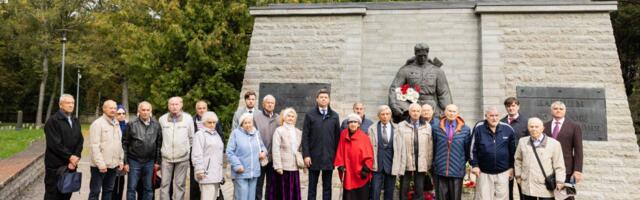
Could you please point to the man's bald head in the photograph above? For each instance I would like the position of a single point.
(109, 108)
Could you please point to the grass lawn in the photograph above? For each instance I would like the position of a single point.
(12, 142)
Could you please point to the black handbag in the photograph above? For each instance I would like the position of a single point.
(69, 181)
(549, 181)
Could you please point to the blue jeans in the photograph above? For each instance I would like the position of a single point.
(244, 188)
(137, 171)
(101, 181)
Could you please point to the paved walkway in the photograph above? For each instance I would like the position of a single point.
(36, 190)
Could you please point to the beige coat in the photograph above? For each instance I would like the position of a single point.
(105, 141)
(397, 147)
(528, 170)
(425, 147)
(281, 152)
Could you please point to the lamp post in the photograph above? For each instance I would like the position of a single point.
(64, 41)
(78, 94)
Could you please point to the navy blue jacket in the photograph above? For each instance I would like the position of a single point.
(320, 135)
(493, 153)
(519, 126)
(450, 158)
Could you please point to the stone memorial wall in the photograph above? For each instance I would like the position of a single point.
(489, 50)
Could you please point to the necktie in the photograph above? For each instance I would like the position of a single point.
(324, 113)
(556, 130)
(385, 137)
(510, 120)
(70, 122)
(450, 132)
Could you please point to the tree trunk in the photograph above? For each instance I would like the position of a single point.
(43, 87)
(125, 93)
(52, 97)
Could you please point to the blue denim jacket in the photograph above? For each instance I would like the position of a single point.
(243, 150)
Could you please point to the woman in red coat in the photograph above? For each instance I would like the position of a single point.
(354, 160)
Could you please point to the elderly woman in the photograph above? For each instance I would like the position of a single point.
(285, 150)
(245, 150)
(118, 188)
(528, 171)
(354, 159)
(206, 155)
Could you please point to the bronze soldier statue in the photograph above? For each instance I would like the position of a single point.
(427, 75)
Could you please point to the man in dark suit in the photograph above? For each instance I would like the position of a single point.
(320, 134)
(64, 145)
(569, 134)
(519, 125)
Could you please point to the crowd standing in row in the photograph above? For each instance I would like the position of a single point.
(266, 146)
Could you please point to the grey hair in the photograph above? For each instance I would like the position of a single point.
(268, 96)
(356, 103)
(383, 108)
(210, 116)
(245, 117)
(534, 120)
(415, 105)
(559, 104)
(490, 109)
(63, 96)
(179, 99)
(144, 103)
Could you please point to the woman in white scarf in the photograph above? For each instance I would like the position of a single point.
(287, 158)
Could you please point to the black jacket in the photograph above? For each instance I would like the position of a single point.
(519, 126)
(320, 135)
(142, 142)
(62, 139)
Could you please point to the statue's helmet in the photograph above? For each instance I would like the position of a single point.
(421, 49)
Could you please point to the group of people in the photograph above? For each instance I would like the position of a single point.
(265, 146)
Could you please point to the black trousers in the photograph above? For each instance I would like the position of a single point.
(314, 176)
(449, 188)
(536, 198)
(194, 186)
(50, 189)
(418, 184)
(361, 193)
(118, 188)
(266, 171)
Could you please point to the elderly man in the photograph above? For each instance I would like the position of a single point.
(201, 108)
(538, 156)
(358, 108)
(417, 157)
(266, 122)
(492, 149)
(451, 142)
(428, 115)
(569, 134)
(519, 125)
(384, 139)
(105, 140)
(320, 134)
(64, 145)
(177, 133)
(141, 143)
(249, 102)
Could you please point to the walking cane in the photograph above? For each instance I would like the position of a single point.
(341, 183)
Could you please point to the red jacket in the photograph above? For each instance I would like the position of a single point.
(353, 153)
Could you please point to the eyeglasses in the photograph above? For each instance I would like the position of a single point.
(120, 113)
(209, 122)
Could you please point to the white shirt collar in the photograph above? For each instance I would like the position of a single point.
(514, 117)
(561, 121)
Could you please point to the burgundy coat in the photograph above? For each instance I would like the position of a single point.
(570, 138)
